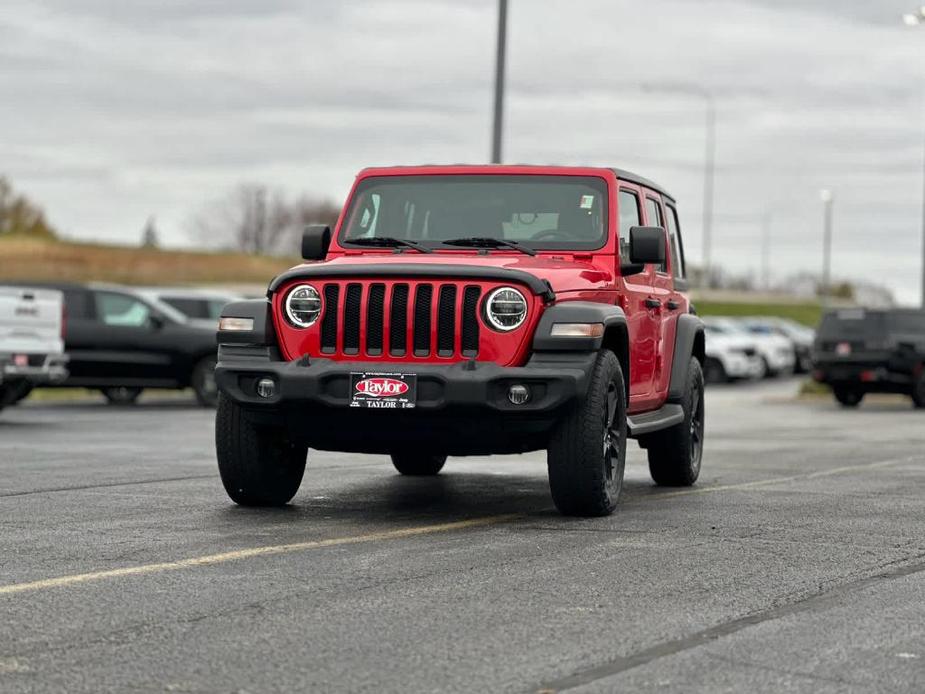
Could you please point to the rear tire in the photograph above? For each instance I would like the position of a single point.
(203, 382)
(259, 465)
(121, 395)
(848, 397)
(418, 464)
(675, 453)
(587, 451)
(918, 390)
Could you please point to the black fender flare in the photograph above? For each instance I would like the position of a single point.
(688, 342)
(259, 311)
(614, 338)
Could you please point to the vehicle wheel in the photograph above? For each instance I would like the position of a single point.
(714, 371)
(418, 464)
(848, 397)
(259, 465)
(203, 382)
(587, 450)
(918, 390)
(675, 453)
(766, 370)
(14, 392)
(121, 395)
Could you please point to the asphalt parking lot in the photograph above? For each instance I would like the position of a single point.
(796, 564)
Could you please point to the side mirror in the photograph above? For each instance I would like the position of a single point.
(157, 321)
(647, 245)
(316, 238)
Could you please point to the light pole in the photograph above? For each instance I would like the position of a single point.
(918, 19)
(498, 121)
(827, 199)
(709, 160)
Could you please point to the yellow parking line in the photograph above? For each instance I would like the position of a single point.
(212, 559)
(782, 480)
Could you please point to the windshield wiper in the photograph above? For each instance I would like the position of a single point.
(488, 242)
(388, 242)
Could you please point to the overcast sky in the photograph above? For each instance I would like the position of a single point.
(113, 110)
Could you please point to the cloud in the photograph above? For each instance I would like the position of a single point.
(116, 110)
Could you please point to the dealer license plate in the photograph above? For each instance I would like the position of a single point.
(396, 391)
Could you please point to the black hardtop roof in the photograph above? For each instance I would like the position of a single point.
(630, 177)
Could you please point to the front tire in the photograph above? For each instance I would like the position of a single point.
(714, 371)
(418, 464)
(918, 390)
(848, 397)
(587, 451)
(675, 454)
(259, 465)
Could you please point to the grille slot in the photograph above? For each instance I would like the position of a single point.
(352, 319)
(398, 321)
(470, 322)
(446, 321)
(329, 322)
(375, 315)
(422, 303)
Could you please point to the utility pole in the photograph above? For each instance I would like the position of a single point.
(766, 251)
(498, 122)
(827, 199)
(709, 168)
(913, 19)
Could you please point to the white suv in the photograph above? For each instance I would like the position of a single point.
(730, 355)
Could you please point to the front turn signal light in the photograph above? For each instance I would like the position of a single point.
(577, 330)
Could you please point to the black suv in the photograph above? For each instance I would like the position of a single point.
(121, 341)
(859, 351)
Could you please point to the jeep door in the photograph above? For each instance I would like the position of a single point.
(643, 320)
(664, 294)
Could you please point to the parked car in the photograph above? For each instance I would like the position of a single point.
(800, 337)
(860, 351)
(196, 304)
(775, 352)
(471, 310)
(730, 355)
(120, 342)
(31, 341)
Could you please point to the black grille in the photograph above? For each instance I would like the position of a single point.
(446, 321)
(352, 319)
(375, 314)
(422, 302)
(329, 322)
(470, 322)
(398, 321)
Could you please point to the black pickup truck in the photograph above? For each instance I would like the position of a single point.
(860, 351)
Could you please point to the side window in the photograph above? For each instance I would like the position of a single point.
(77, 304)
(121, 310)
(630, 216)
(654, 214)
(677, 247)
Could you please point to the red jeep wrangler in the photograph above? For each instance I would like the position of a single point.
(470, 310)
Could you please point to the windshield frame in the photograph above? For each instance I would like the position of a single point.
(597, 180)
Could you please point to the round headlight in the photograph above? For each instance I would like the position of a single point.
(303, 306)
(506, 309)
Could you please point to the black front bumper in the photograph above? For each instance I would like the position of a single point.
(461, 408)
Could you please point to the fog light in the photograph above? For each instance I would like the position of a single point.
(266, 387)
(518, 394)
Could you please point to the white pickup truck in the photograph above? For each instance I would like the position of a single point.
(32, 324)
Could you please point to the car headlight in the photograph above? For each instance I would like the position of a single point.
(303, 306)
(505, 309)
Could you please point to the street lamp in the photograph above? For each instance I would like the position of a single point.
(827, 198)
(918, 19)
(498, 120)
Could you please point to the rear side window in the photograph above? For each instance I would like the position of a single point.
(654, 213)
(78, 304)
(907, 322)
(630, 216)
(677, 249)
(121, 310)
(191, 308)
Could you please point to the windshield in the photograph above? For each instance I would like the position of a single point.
(535, 211)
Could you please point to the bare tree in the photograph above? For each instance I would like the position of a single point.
(254, 219)
(149, 236)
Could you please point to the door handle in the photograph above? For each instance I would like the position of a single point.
(653, 303)
(673, 305)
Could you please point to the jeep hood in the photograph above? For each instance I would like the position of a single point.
(563, 273)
